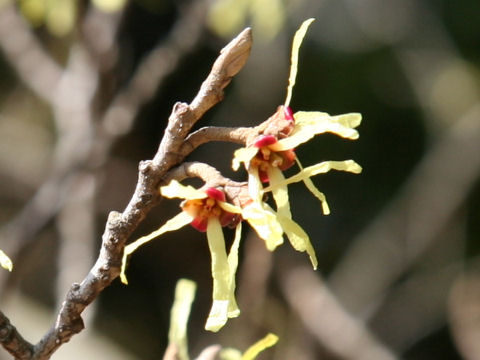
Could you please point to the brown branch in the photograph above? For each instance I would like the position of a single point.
(237, 135)
(234, 190)
(120, 225)
(12, 341)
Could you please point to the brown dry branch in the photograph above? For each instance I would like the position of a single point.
(119, 226)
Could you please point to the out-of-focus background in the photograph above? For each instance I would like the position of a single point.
(85, 93)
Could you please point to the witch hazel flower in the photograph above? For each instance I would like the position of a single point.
(207, 211)
(272, 151)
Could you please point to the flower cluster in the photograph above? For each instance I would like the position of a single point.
(266, 156)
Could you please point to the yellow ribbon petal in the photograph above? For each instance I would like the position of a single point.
(298, 238)
(307, 129)
(255, 188)
(320, 168)
(264, 222)
(349, 120)
(244, 155)
(221, 276)
(280, 192)
(174, 223)
(313, 189)
(177, 334)
(5, 261)
(177, 190)
(233, 310)
(259, 346)
(297, 41)
(229, 207)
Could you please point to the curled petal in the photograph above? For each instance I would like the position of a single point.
(174, 223)
(279, 191)
(317, 193)
(311, 118)
(233, 310)
(265, 223)
(351, 120)
(177, 334)
(296, 235)
(305, 130)
(221, 277)
(255, 188)
(229, 207)
(5, 261)
(259, 346)
(298, 238)
(323, 167)
(297, 41)
(177, 190)
(243, 155)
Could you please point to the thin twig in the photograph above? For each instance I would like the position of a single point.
(12, 341)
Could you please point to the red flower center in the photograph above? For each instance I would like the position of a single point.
(203, 209)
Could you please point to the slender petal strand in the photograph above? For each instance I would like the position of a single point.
(229, 207)
(174, 223)
(298, 238)
(259, 346)
(233, 310)
(176, 190)
(5, 261)
(350, 120)
(280, 192)
(297, 41)
(323, 167)
(317, 193)
(255, 185)
(221, 277)
(304, 131)
(177, 334)
(243, 155)
(265, 223)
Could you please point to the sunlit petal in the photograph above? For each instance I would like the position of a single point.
(297, 41)
(174, 223)
(313, 189)
(320, 168)
(5, 261)
(233, 310)
(229, 207)
(255, 188)
(280, 192)
(264, 222)
(177, 190)
(298, 238)
(303, 132)
(259, 346)
(350, 120)
(221, 276)
(244, 155)
(177, 333)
